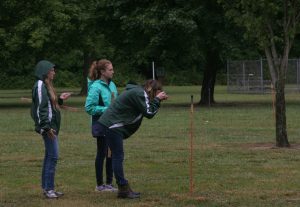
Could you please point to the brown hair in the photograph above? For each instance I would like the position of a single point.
(51, 90)
(96, 68)
(151, 87)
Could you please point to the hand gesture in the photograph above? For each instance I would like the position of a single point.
(51, 133)
(65, 95)
(162, 96)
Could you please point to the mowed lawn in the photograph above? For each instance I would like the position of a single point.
(235, 160)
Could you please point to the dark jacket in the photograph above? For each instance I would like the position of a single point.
(125, 115)
(44, 114)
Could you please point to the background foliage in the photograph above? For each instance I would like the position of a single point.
(179, 36)
(174, 34)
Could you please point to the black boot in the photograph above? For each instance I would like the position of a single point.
(124, 191)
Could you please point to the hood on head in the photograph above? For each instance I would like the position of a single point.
(42, 68)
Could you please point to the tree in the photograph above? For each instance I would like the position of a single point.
(211, 27)
(273, 25)
(67, 32)
(146, 31)
(27, 33)
(188, 37)
(84, 35)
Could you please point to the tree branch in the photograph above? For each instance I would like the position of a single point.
(271, 65)
(273, 47)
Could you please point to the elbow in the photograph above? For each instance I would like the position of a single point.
(149, 116)
(88, 110)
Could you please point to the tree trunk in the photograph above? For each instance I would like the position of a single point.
(208, 86)
(281, 132)
(209, 78)
(87, 60)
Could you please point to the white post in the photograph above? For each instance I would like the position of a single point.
(153, 71)
(228, 83)
(298, 74)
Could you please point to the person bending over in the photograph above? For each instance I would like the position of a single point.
(123, 118)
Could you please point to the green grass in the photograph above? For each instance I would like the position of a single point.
(235, 161)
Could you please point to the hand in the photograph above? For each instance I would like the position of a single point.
(162, 96)
(51, 134)
(65, 95)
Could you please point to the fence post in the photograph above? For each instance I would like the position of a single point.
(262, 88)
(244, 78)
(227, 67)
(298, 74)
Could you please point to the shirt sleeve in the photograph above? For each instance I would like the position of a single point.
(43, 108)
(92, 106)
(146, 107)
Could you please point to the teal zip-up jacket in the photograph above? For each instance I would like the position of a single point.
(99, 97)
(43, 112)
(125, 115)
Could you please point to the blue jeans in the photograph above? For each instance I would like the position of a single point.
(50, 160)
(102, 153)
(115, 143)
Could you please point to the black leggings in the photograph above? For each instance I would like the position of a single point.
(102, 153)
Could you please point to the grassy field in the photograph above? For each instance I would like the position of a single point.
(235, 161)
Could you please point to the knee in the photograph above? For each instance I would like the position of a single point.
(53, 157)
(117, 156)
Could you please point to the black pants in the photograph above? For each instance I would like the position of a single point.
(102, 153)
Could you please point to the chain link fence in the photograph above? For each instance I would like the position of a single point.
(253, 76)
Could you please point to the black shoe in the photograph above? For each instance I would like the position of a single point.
(130, 195)
(136, 193)
(124, 191)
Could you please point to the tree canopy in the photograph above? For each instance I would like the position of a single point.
(183, 37)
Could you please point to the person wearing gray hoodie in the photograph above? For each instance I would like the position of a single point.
(45, 111)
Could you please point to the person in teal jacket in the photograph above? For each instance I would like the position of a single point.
(123, 118)
(45, 111)
(101, 92)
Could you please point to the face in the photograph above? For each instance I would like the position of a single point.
(51, 74)
(108, 73)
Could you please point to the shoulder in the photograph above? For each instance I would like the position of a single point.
(94, 91)
(95, 86)
(40, 85)
(112, 85)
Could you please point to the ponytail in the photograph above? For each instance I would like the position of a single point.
(93, 74)
(96, 68)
